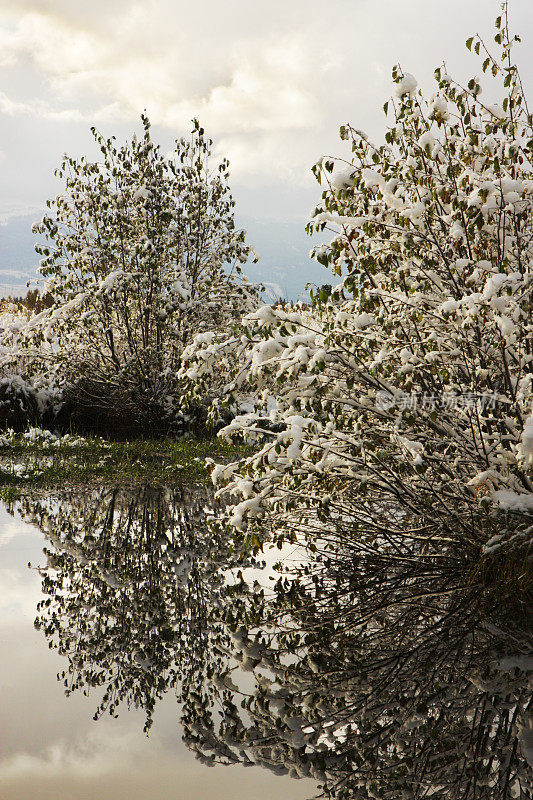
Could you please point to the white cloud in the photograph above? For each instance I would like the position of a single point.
(20, 594)
(269, 90)
(88, 756)
(14, 210)
(238, 77)
(241, 72)
(112, 760)
(37, 109)
(271, 83)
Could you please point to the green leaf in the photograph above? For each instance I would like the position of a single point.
(469, 42)
(324, 292)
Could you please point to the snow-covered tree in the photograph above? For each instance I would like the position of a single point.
(140, 252)
(405, 397)
(382, 672)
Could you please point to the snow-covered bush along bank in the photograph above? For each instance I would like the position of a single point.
(29, 389)
(405, 402)
(141, 253)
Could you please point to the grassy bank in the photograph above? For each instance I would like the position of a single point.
(43, 461)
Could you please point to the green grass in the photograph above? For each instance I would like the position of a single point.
(98, 461)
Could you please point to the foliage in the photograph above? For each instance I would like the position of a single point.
(29, 364)
(27, 397)
(18, 403)
(391, 657)
(138, 562)
(140, 252)
(405, 400)
(34, 300)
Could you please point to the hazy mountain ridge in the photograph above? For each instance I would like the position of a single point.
(283, 249)
(18, 260)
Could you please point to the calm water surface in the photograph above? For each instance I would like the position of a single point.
(51, 746)
(386, 669)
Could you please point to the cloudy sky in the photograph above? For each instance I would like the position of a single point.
(271, 82)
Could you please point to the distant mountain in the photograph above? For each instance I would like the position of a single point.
(283, 248)
(18, 259)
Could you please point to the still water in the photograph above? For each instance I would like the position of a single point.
(51, 746)
(378, 670)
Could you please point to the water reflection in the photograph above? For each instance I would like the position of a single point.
(132, 583)
(395, 672)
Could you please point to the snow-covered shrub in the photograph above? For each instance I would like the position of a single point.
(141, 253)
(29, 393)
(12, 351)
(405, 401)
(18, 403)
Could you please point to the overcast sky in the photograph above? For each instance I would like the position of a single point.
(271, 82)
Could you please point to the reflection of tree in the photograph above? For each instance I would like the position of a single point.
(405, 679)
(388, 672)
(133, 578)
(383, 670)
